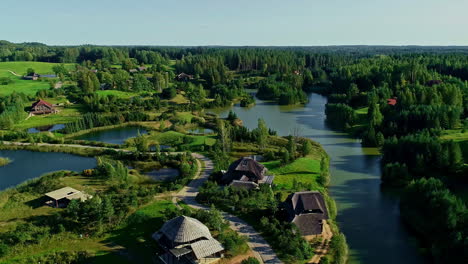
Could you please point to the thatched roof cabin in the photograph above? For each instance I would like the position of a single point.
(187, 239)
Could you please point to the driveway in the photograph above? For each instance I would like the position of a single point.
(256, 242)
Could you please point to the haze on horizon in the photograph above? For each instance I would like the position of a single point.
(237, 23)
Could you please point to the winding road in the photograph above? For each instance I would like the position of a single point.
(263, 252)
(256, 242)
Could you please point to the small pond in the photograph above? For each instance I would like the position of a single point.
(113, 136)
(163, 174)
(200, 131)
(49, 128)
(152, 148)
(27, 165)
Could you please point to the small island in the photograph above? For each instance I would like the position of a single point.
(4, 161)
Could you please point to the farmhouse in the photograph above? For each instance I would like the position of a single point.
(32, 77)
(61, 198)
(42, 107)
(187, 240)
(184, 77)
(308, 211)
(246, 173)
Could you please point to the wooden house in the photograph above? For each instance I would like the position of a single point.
(62, 197)
(187, 240)
(308, 211)
(42, 107)
(183, 77)
(246, 173)
(31, 77)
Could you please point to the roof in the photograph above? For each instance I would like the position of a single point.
(433, 82)
(79, 196)
(307, 210)
(62, 193)
(42, 102)
(184, 229)
(308, 224)
(308, 202)
(247, 164)
(244, 184)
(204, 248)
(392, 101)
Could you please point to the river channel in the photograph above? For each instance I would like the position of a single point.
(367, 216)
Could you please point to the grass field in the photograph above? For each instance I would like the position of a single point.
(173, 138)
(133, 236)
(454, 134)
(303, 170)
(26, 86)
(117, 93)
(66, 115)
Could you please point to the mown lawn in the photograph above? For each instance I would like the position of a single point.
(26, 86)
(304, 170)
(174, 138)
(455, 134)
(20, 67)
(117, 93)
(66, 115)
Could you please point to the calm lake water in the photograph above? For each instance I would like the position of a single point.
(367, 216)
(113, 136)
(201, 131)
(50, 128)
(28, 165)
(163, 174)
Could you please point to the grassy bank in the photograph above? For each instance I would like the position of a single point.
(27, 87)
(258, 207)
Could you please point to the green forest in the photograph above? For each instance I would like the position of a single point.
(410, 102)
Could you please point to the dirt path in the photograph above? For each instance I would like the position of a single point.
(14, 73)
(322, 250)
(262, 250)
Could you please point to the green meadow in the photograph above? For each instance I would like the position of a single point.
(304, 170)
(26, 86)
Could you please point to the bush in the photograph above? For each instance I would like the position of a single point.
(250, 260)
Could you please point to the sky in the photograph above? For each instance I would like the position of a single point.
(236, 22)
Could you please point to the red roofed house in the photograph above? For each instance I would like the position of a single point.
(42, 107)
(392, 101)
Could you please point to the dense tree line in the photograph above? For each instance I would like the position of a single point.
(92, 120)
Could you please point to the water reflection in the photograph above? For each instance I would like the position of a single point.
(113, 136)
(369, 218)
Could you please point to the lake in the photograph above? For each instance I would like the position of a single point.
(50, 128)
(163, 174)
(201, 131)
(113, 136)
(27, 165)
(367, 216)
